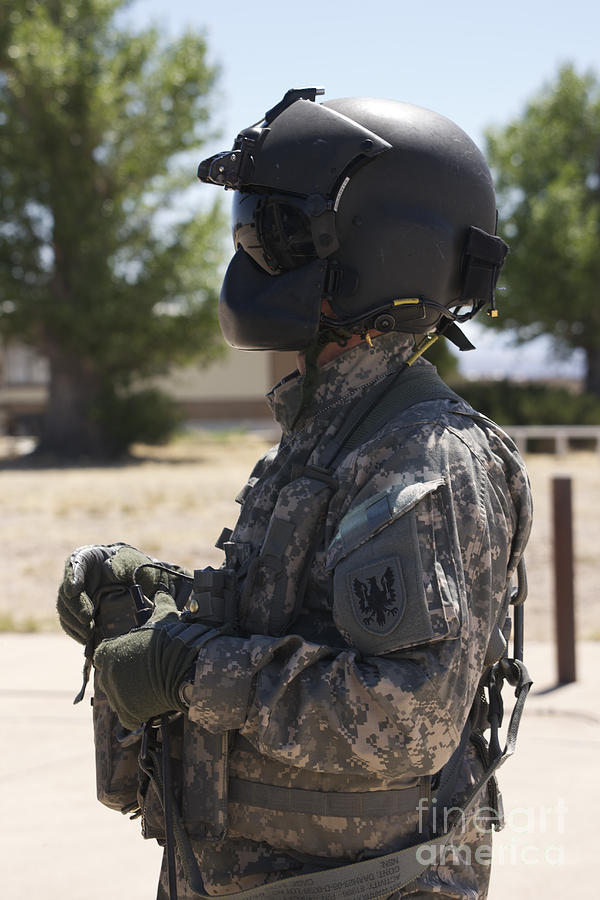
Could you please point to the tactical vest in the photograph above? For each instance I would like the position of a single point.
(260, 591)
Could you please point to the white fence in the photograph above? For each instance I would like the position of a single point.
(561, 435)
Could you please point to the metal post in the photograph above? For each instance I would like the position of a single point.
(564, 595)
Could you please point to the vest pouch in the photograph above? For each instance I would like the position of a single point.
(274, 587)
(199, 780)
(341, 825)
(213, 598)
(205, 777)
(116, 757)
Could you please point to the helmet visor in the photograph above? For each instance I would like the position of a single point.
(274, 230)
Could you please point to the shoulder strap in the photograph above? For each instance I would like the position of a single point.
(394, 395)
(415, 386)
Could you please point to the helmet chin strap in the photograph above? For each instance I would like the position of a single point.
(332, 330)
(450, 330)
(430, 339)
(383, 321)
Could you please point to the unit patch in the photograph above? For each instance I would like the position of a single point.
(378, 595)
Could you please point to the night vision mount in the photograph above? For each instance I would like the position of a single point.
(232, 168)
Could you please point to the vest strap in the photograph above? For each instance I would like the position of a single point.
(351, 804)
(403, 389)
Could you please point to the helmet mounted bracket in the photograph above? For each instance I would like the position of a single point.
(232, 168)
(290, 97)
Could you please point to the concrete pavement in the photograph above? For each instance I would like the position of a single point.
(58, 843)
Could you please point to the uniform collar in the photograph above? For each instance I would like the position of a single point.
(345, 377)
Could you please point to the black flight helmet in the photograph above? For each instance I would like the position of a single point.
(385, 209)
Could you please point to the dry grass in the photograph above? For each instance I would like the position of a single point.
(172, 502)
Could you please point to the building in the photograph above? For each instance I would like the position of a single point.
(231, 389)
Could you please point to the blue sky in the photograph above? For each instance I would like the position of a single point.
(477, 63)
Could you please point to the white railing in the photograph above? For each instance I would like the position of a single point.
(562, 435)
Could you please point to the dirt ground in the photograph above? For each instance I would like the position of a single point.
(173, 502)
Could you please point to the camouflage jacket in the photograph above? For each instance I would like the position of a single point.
(367, 597)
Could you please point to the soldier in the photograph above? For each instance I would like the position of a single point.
(320, 698)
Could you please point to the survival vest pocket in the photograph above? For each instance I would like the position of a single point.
(116, 759)
(274, 587)
(199, 781)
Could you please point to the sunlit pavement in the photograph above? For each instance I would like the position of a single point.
(59, 843)
(550, 787)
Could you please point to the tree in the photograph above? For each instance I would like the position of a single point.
(102, 267)
(547, 168)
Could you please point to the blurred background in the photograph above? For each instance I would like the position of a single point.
(112, 252)
(124, 417)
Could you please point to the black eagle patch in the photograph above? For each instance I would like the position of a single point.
(377, 601)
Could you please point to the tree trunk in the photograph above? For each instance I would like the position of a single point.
(592, 375)
(70, 427)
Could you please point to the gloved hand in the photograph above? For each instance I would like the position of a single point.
(129, 566)
(94, 571)
(84, 574)
(140, 672)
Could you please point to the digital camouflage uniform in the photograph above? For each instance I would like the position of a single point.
(365, 609)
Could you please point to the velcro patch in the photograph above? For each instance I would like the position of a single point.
(378, 595)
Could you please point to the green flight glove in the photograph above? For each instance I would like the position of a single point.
(83, 576)
(101, 574)
(141, 672)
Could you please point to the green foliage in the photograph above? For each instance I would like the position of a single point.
(510, 403)
(547, 169)
(102, 266)
(147, 416)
